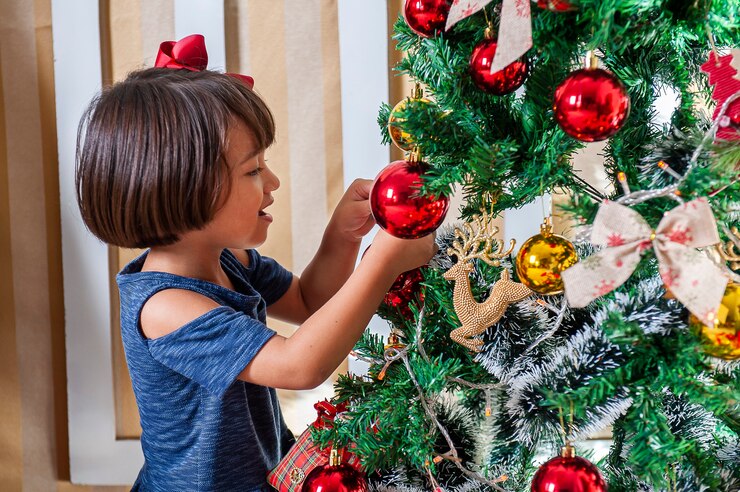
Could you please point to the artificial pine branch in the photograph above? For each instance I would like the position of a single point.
(628, 359)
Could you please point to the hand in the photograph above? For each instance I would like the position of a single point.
(401, 255)
(352, 218)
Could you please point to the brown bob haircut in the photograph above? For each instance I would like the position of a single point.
(151, 164)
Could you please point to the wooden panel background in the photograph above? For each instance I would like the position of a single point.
(259, 43)
(263, 39)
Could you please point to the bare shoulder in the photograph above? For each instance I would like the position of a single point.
(241, 255)
(169, 309)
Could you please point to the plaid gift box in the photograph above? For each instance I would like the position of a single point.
(304, 456)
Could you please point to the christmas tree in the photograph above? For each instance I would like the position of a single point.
(496, 361)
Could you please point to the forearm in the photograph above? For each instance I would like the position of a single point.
(329, 269)
(325, 339)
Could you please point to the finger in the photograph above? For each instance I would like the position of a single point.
(361, 189)
(366, 227)
(361, 208)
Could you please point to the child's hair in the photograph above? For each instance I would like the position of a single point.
(151, 165)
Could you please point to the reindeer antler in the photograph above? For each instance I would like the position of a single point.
(480, 232)
(730, 251)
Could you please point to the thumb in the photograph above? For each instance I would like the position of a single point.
(361, 189)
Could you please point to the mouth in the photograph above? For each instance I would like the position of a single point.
(264, 214)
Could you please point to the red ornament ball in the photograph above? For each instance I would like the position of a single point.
(426, 17)
(507, 80)
(338, 478)
(591, 104)
(555, 5)
(397, 206)
(568, 474)
(404, 290)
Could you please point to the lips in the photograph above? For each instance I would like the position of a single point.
(262, 212)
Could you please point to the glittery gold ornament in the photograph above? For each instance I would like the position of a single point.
(403, 139)
(542, 258)
(723, 339)
(476, 317)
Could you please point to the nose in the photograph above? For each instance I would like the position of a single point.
(272, 182)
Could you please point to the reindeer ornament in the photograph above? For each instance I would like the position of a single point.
(476, 241)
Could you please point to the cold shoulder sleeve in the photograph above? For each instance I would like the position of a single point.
(267, 276)
(212, 349)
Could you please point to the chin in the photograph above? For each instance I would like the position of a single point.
(255, 242)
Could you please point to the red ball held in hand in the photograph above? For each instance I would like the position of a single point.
(426, 17)
(498, 83)
(591, 104)
(568, 473)
(397, 206)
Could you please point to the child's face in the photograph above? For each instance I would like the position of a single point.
(240, 223)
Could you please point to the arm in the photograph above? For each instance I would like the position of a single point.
(308, 357)
(334, 261)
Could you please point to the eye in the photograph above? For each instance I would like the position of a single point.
(255, 172)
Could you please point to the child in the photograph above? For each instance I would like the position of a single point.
(173, 159)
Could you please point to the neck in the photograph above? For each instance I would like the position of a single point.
(188, 259)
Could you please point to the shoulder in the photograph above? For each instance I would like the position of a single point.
(169, 309)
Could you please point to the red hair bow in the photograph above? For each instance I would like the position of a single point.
(190, 53)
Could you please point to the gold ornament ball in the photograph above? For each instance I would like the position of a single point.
(403, 139)
(723, 339)
(542, 258)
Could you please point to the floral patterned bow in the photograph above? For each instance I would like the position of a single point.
(690, 276)
(515, 28)
(190, 54)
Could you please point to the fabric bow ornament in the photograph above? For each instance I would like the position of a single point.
(689, 275)
(190, 54)
(326, 412)
(515, 28)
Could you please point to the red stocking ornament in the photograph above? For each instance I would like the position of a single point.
(724, 75)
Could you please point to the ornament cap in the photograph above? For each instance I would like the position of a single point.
(415, 155)
(335, 458)
(546, 227)
(417, 92)
(568, 451)
(592, 61)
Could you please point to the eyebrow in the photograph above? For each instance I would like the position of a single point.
(250, 155)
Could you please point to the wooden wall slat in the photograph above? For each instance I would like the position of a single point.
(11, 448)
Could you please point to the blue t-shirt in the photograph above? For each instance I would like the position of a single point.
(202, 429)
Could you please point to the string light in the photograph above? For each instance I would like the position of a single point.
(622, 178)
(663, 165)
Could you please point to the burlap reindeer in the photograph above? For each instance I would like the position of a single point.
(729, 250)
(477, 242)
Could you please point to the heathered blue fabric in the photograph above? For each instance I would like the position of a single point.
(203, 430)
